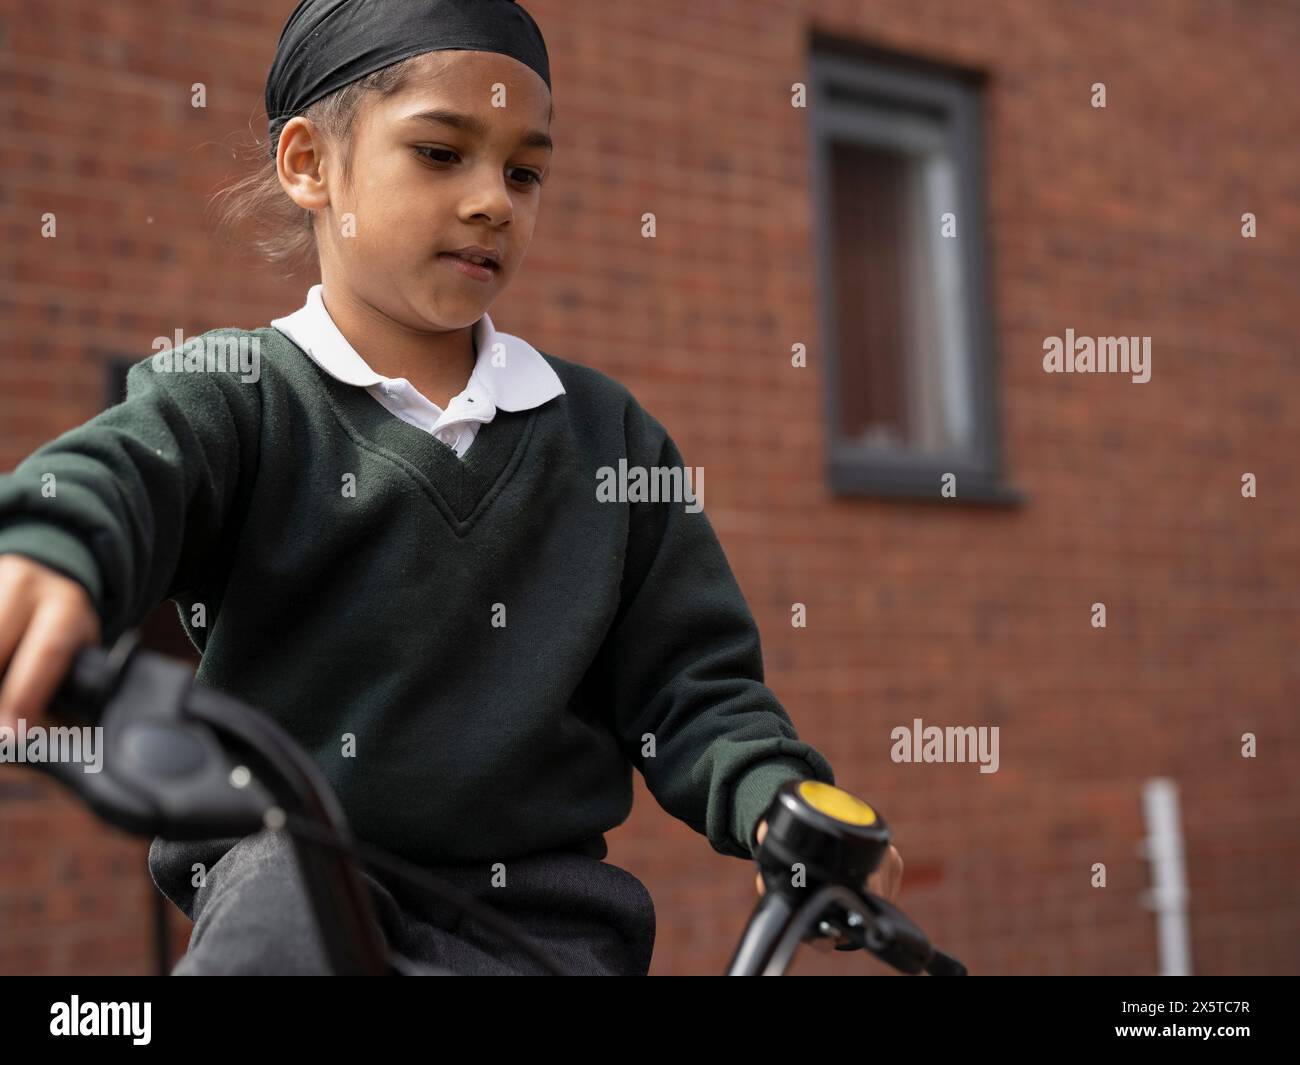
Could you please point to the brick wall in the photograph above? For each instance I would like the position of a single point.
(1112, 222)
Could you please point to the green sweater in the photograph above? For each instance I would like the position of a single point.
(476, 651)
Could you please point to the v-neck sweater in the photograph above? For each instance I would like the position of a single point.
(475, 650)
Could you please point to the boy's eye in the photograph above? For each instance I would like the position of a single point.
(445, 151)
(530, 176)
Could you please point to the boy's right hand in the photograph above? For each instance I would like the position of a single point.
(45, 619)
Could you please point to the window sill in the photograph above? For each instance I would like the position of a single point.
(920, 480)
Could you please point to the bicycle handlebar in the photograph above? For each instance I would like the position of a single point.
(182, 761)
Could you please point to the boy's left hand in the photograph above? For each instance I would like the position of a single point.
(885, 881)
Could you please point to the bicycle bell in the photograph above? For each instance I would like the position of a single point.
(834, 836)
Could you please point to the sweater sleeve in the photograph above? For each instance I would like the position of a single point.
(132, 503)
(682, 666)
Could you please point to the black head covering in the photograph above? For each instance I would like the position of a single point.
(327, 44)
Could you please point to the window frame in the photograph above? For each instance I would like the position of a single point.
(863, 470)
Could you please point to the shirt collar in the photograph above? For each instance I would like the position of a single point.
(526, 380)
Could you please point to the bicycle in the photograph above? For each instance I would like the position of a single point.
(187, 762)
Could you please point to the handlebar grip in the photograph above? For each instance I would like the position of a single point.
(92, 678)
(87, 678)
(941, 964)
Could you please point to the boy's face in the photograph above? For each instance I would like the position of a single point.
(421, 188)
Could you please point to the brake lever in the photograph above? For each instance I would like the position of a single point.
(850, 928)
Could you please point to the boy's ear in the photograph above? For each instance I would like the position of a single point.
(300, 164)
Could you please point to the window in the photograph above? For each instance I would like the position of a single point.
(902, 277)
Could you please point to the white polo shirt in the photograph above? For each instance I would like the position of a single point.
(524, 380)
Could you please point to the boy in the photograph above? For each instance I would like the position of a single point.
(391, 535)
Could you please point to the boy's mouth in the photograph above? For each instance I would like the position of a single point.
(477, 254)
(475, 266)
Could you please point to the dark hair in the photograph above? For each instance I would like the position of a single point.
(282, 231)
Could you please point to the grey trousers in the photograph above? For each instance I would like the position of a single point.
(252, 916)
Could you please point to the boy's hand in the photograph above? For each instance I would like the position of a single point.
(45, 619)
(885, 881)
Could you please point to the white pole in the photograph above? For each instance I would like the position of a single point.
(1163, 847)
